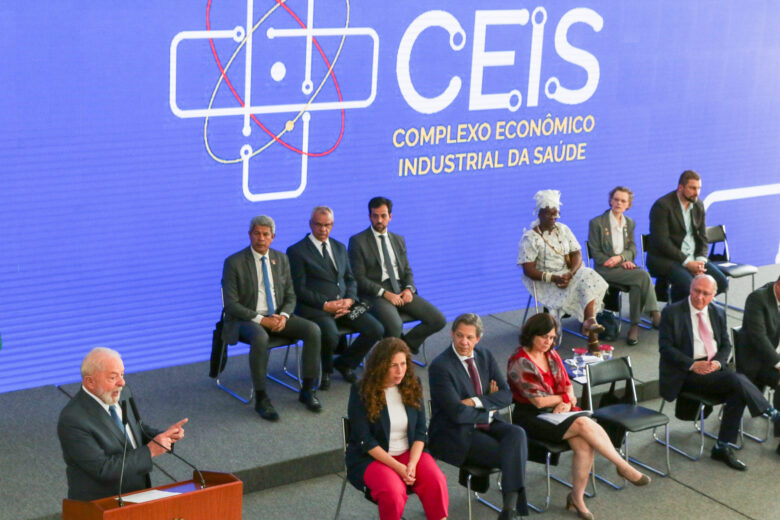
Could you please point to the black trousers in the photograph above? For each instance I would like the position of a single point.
(503, 446)
(431, 319)
(297, 328)
(369, 329)
(770, 377)
(736, 392)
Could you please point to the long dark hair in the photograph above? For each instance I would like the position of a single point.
(377, 366)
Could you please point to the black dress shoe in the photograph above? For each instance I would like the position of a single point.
(348, 374)
(325, 381)
(726, 455)
(266, 410)
(309, 398)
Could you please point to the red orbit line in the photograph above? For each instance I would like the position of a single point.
(241, 101)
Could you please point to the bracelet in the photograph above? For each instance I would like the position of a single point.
(547, 277)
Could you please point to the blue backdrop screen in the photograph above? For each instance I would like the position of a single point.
(138, 140)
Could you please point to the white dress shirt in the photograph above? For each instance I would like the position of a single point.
(391, 252)
(688, 246)
(617, 232)
(699, 352)
(118, 408)
(464, 363)
(318, 245)
(262, 306)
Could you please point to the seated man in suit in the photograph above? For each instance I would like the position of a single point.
(384, 277)
(694, 347)
(677, 249)
(94, 436)
(758, 347)
(467, 388)
(326, 292)
(259, 299)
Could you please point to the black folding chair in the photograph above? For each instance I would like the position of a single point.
(722, 260)
(346, 429)
(737, 341)
(629, 416)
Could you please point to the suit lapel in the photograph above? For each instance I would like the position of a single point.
(677, 211)
(687, 328)
(715, 324)
(251, 268)
(373, 247)
(102, 417)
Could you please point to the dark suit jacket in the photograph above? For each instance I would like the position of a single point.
(675, 342)
(757, 347)
(366, 435)
(92, 448)
(600, 239)
(365, 257)
(239, 289)
(314, 280)
(452, 422)
(667, 231)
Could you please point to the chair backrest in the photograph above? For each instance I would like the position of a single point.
(716, 235)
(346, 430)
(607, 372)
(643, 240)
(736, 342)
(588, 254)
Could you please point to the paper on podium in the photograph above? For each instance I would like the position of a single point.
(147, 496)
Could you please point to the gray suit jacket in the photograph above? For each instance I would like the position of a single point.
(667, 231)
(239, 289)
(600, 239)
(757, 347)
(92, 447)
(365, 257)
(675, 343)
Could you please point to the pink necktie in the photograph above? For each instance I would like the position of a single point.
(706, 337)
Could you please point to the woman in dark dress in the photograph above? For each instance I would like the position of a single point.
(540, 384)
(385, 450)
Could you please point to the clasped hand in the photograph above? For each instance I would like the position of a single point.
(338, 308)
(407, 472)
(562, 280)
(275, 322)
(400, 299)
(705, 367)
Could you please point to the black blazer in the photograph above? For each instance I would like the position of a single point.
(675, 343)
(239, 289)
(314, 280)
(366, 435)
(757, 346)
(92, 448)
(667, 231)
(365, 257)
(452, 422)
(600, 240)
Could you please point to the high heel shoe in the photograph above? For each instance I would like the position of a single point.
(641, 481)
(571, 506)
(591, 326)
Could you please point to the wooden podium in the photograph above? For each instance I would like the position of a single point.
(220, 499)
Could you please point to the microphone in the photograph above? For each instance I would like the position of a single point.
(123, 404)
(168, 450)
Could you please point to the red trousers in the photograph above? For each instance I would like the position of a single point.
(389, 490)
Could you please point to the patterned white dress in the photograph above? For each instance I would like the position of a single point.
(586, 285)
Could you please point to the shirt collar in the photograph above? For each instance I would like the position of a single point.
(317, 242)
(613, 221)
(695, 311)
(377, 234)
(258, 256)
(463, 359)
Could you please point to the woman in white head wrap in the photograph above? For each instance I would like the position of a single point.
(551, 259)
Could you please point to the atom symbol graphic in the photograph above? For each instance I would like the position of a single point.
(245, 37)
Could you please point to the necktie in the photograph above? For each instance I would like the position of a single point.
(117, 420)
(389, 265)
(326, 256)
(474, 376)
(706, 337)
(269, 297)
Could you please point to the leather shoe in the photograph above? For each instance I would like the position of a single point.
(325, 381)
(309, 398)
(266, 410)
(633, 335)
(508, 515)
(348, 374)
(726, 455)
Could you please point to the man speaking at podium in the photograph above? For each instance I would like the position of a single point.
(94, 436)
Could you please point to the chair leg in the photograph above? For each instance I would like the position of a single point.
(468, 491)
(286, 372)
(647, 466)
(669, 445)
(230, 391)
(424, 362)
(341, 498)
